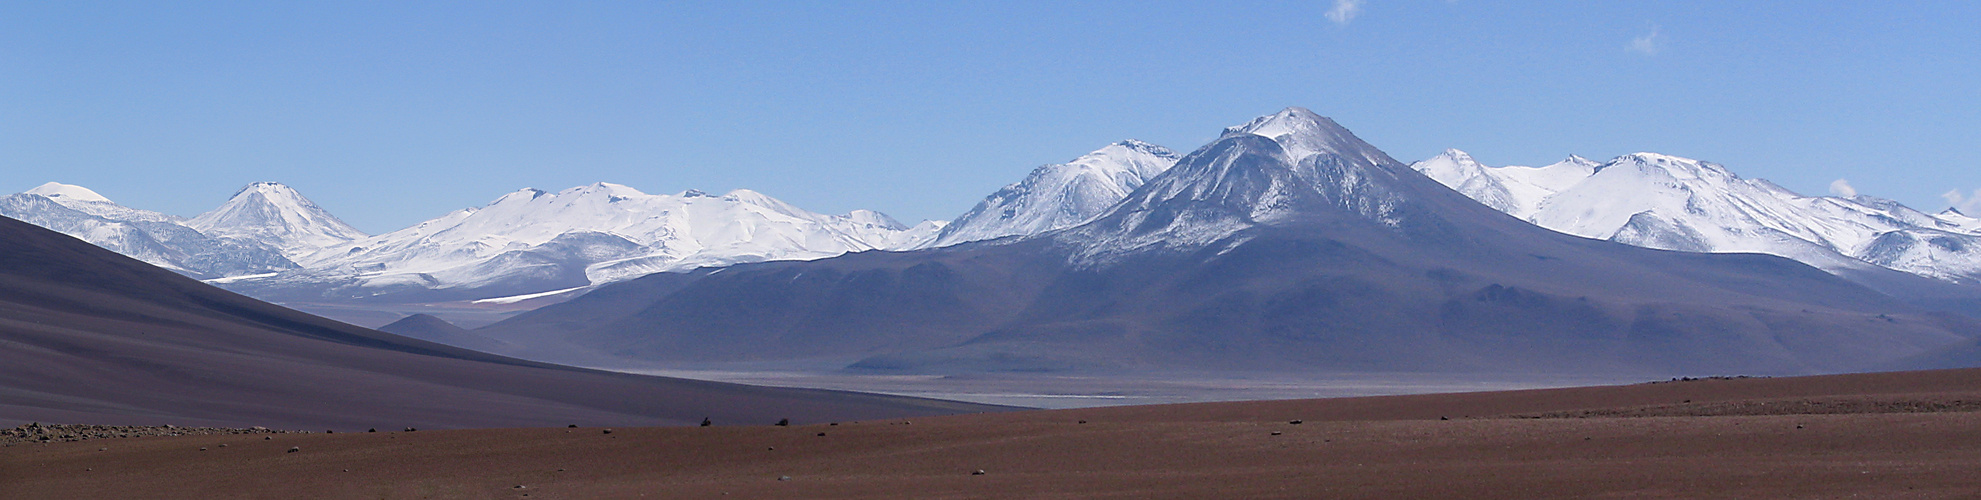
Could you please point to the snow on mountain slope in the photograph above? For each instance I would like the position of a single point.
(532, 240)
(1061, 195)
(1673, 203)
(1513, 189)
(84, 200)
(1287, 166)
(1960, 220)
(159, 239)
(64, 193)
(276, 215)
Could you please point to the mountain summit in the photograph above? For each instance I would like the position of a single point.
(1290, 166)
(276, 215)
(65, 192)
(1061, 195)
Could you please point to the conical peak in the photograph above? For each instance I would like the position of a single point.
(1456, 157)
(67, 192)
(1291, 120)
(1303, 133)
(268, 188)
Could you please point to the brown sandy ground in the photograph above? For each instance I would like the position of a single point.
(1887, 445)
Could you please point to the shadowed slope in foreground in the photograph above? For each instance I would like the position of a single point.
(1492, 446)
(87, 335)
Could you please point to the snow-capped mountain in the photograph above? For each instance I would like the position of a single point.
(532, 241)
(276, 215)
(159, 239)
(1668, 202)
(1061, 195)
(1276, 168)
(1960, 220)
(1286, 244)
(1513, 189)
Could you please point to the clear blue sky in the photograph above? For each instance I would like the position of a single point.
(389, 113)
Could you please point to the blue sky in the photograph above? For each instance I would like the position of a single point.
(389, 113)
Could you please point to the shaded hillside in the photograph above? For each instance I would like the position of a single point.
(87, 335)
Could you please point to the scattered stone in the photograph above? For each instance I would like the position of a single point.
(1083, 421)
(608, 431)
(374, 429)
(706, 422)
(834, 424)
(410, 429)
(52, 433)
(773, 448)
(1798, 426)
(821, 434)
(572, 426)
(1295, 422)
(784, 478)
(293, 449)
(1276, 433)
(223, 445)
(202, 449)
(1444, 418)
(265, 438)
(784, 422)
(979, 472)
(519, 486)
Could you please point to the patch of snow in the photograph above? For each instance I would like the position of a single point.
(519, 298)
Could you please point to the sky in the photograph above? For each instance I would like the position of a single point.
(390, 113)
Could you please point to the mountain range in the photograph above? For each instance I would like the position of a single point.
(1286, 245)
(1659, 201)
(1306, 243)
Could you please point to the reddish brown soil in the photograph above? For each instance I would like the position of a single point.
(1387, 447)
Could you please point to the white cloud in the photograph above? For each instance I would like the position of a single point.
(1649, 44)
(1842, 188)
(1966, 204)
(1344, 11)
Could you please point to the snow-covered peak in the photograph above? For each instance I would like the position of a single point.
(876, 219)
(1675, 203)
(598, 233)
(1680, 167)
(1061, 195)
(66, 192)
(1284, 168)
(1960, 220)
(1459, 171)
(1303, 133)
(276, 215)
(603, 189)
(1516, 190)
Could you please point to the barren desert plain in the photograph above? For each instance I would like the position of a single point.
(1880, 435)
